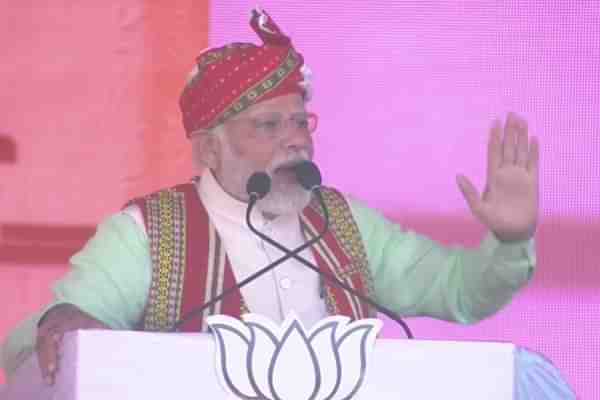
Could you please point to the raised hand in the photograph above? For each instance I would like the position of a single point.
(509, 204)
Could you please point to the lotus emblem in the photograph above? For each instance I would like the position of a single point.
(257, 359)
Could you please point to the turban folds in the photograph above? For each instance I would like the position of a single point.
(231, 78)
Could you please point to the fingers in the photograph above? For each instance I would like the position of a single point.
(515, 146)
(522, 143)
(494, 149)
(533, 158)
(470, 194)
(509, 143)
(47, 348)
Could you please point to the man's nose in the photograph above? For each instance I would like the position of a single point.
(297, 139)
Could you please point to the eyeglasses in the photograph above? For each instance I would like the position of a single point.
(273, 125)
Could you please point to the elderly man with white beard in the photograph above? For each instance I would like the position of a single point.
(245, 110)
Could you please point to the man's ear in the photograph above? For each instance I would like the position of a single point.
(206, 150)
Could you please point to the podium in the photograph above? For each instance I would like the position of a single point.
(100, 365)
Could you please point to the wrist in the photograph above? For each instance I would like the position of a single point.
(53, 310)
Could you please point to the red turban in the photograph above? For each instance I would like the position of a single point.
(233, 77)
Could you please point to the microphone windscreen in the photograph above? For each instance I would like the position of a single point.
(258, 184)
(308, 175)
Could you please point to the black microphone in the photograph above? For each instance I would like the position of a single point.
(309, 177)
(257, 187)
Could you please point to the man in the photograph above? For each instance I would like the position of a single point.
(244, 110)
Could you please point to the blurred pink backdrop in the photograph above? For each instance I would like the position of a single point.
(89, 118)
(405, 90)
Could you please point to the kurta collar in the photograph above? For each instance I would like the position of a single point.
(221, 203)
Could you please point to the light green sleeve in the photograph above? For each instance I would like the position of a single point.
(108, 279)
(415, 276)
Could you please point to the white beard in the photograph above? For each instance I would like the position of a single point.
(284, 198)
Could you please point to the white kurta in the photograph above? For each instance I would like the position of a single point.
(290, 286)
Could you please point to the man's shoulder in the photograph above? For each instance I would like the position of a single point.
(136, 208)
(365, 216)
(182, 189)
(331, 194)
(334, 196)
(344, 204)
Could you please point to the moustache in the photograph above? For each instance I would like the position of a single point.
(288, 163)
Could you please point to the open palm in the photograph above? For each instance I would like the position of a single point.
(509, 204)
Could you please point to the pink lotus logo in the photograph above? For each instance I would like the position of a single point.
(258, 360)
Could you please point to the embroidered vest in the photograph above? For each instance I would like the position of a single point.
(190, 266)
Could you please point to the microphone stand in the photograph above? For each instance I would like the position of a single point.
(382, 309)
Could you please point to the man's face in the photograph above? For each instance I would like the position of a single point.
(268, 137)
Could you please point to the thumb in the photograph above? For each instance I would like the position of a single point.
(470, 193)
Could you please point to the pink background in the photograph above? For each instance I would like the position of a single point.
(88, 119)
(405, 90)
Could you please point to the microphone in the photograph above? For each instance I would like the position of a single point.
(309, 177)
(257, 187)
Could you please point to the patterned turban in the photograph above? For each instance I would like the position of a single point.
(231, 78)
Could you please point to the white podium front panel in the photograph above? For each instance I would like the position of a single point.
(100, 365)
